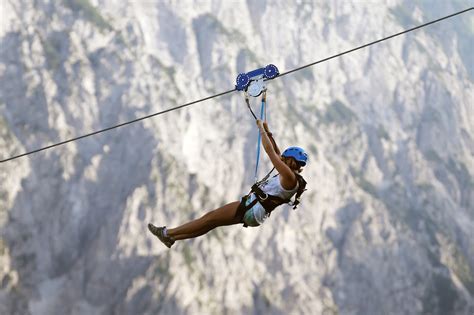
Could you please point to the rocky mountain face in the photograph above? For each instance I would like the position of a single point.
(386, 226)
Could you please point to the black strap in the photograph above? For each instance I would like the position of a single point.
(264, 99)
(242, 208)
(265, 178)
(300, 191)
(250, 108)
(268, 202)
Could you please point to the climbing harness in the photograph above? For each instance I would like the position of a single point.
(268, 202)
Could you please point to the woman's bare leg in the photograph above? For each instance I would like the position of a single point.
(222, 216)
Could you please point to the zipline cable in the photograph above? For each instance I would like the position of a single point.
(374, 42)
(230, 91)
(117, 126)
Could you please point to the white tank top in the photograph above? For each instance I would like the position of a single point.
(273, 187)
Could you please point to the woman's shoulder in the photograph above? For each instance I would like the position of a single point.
(288, 184)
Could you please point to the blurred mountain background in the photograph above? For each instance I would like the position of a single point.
(386, 226)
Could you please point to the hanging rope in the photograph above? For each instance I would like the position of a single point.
(248, 105)
(262, 117)
(229, 91)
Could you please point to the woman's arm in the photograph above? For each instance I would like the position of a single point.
(270, 136)
(288, 177)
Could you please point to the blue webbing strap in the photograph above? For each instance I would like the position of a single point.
(262, 114)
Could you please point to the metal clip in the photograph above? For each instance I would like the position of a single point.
(265, 198)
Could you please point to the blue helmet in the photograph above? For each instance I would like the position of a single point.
(297, 153)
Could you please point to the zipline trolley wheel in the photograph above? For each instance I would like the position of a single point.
(253, 82)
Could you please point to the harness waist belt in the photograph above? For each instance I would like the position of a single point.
(269, 202)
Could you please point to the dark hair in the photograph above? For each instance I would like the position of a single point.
(295, 166)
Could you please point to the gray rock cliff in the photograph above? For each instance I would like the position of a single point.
(386, 226)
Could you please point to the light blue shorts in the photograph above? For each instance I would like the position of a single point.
(255, 215)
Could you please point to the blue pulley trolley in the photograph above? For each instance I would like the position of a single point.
(253, 82)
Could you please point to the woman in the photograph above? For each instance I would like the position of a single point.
(254, 208)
